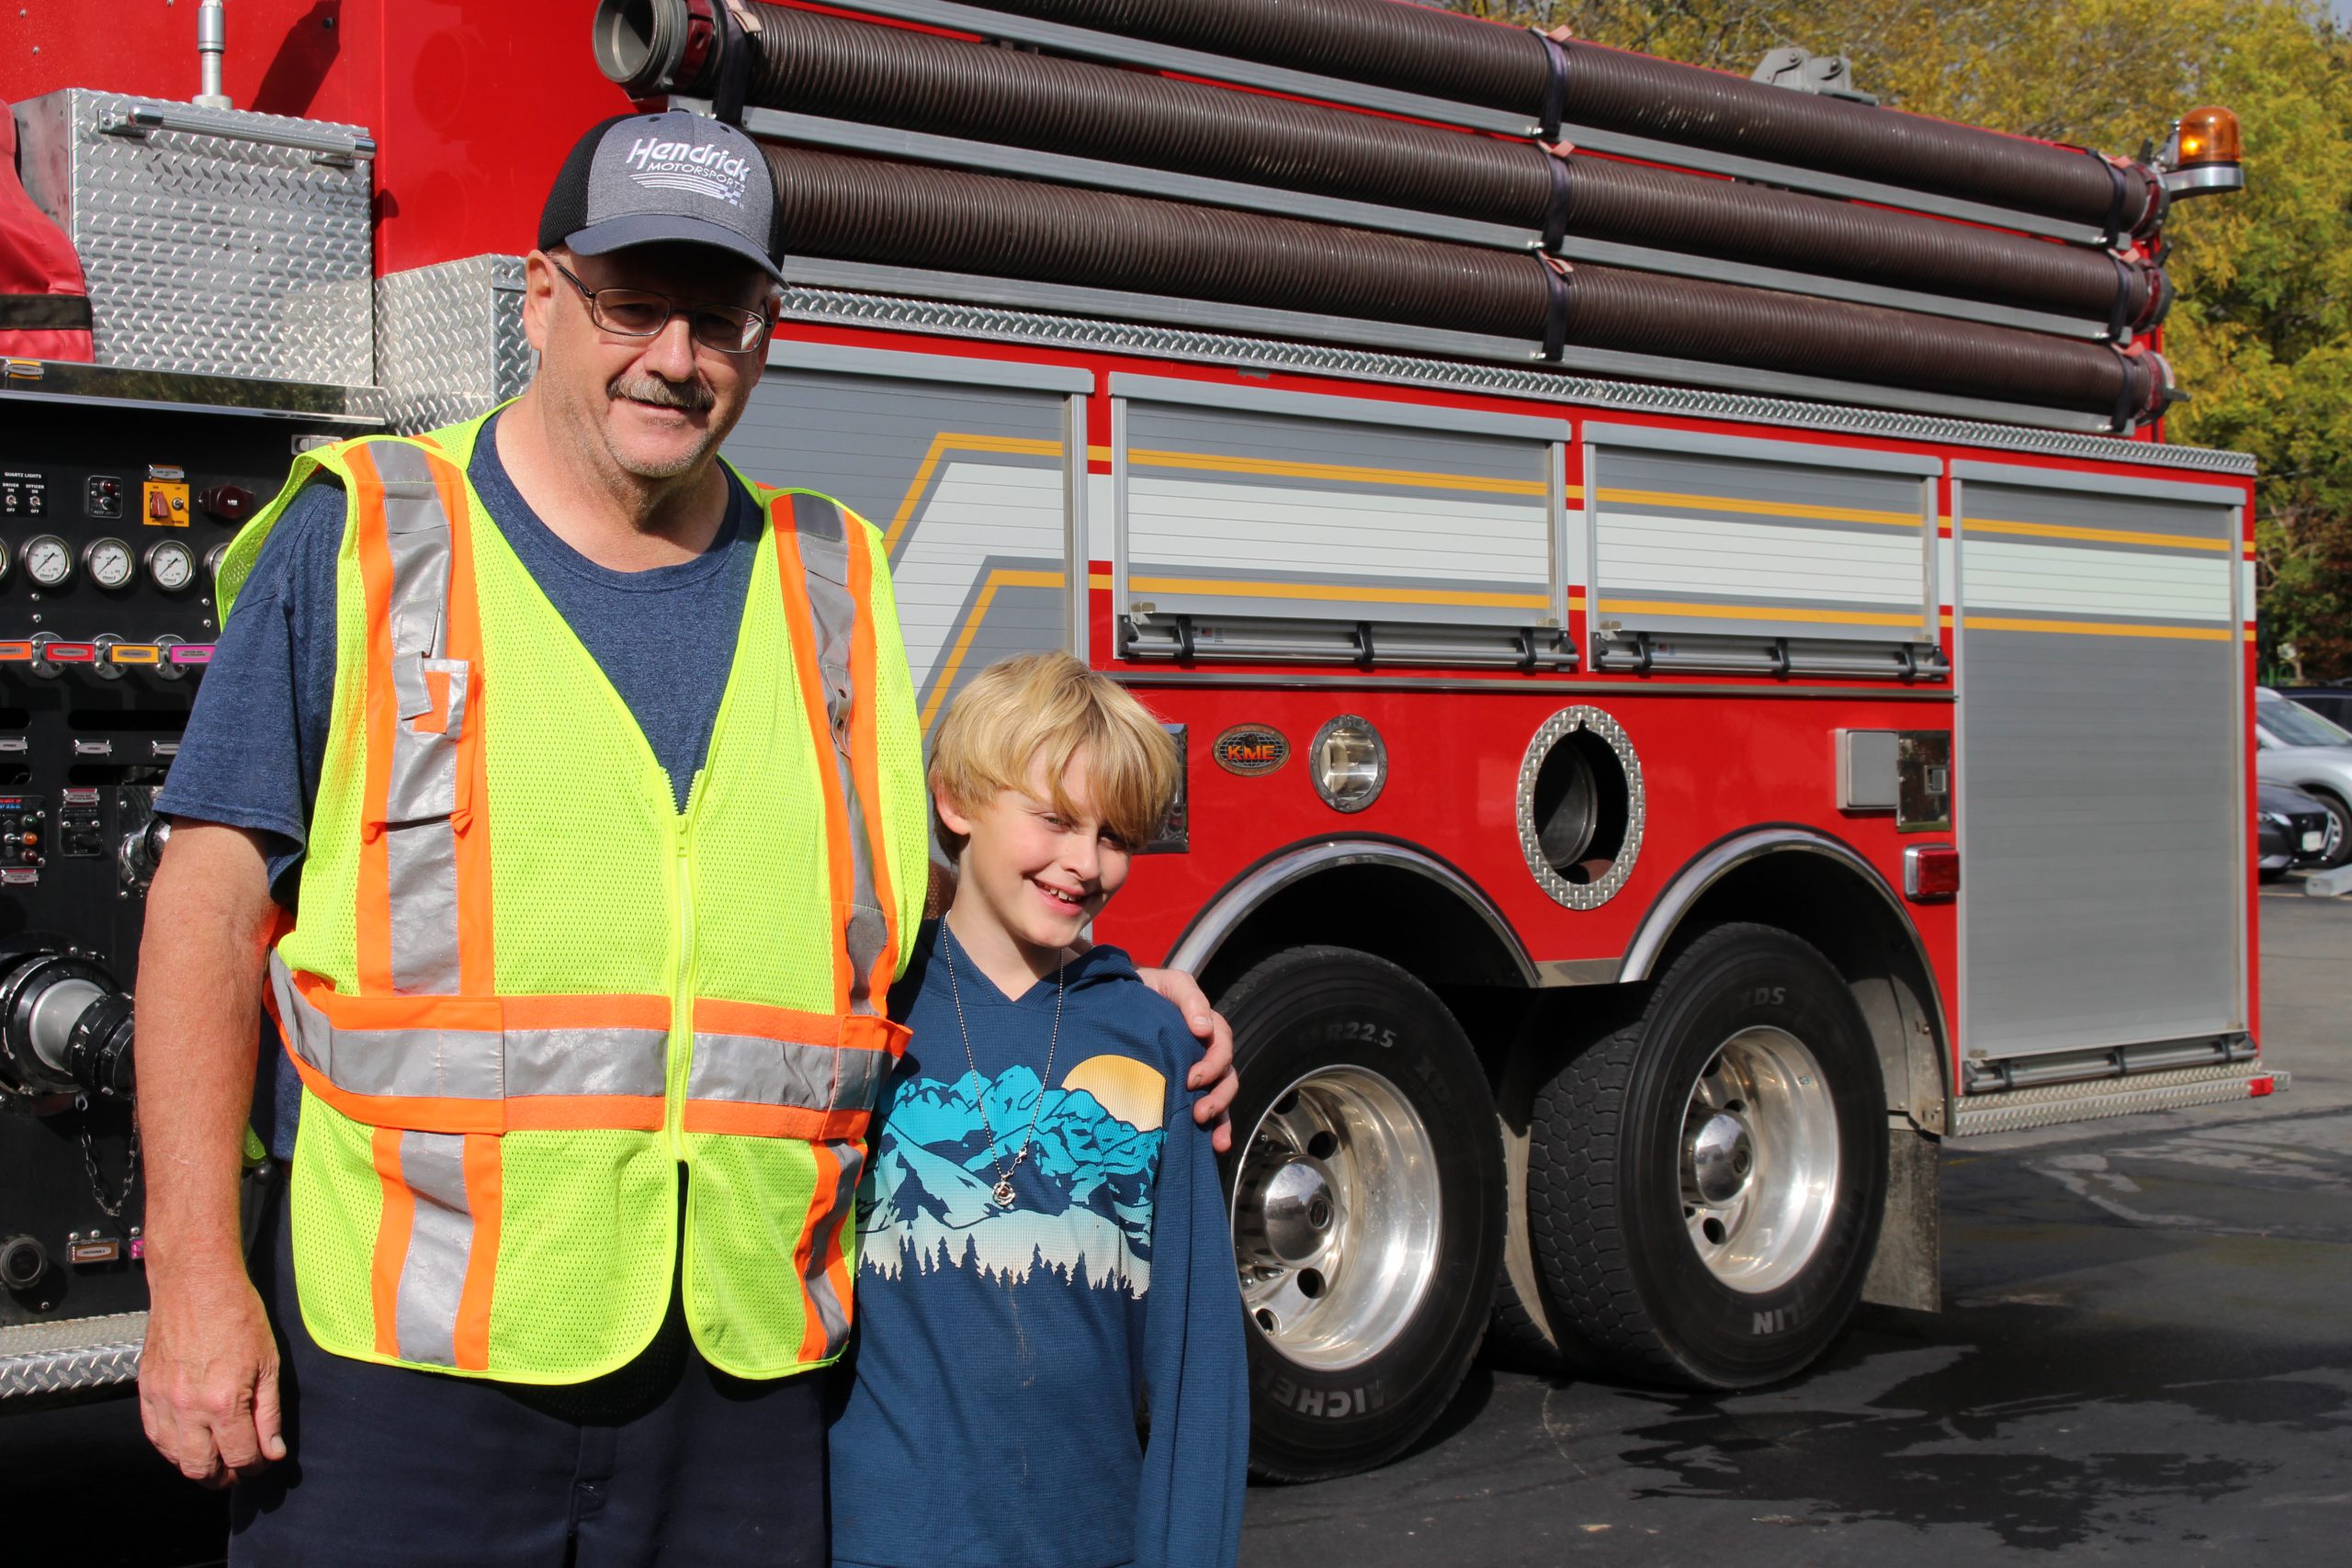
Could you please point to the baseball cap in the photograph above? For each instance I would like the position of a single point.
(638, 178)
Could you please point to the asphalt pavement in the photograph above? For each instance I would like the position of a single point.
(2143, 1356)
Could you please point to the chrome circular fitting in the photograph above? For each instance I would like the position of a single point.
(1335, 1217)
(1759, 1159)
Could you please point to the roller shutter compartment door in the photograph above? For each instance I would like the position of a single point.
(2100, 766)
(1254, 514)
(970, 487)
(1705, 543)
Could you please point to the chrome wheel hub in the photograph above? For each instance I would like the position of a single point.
(1335, 1217)
(1758, 1159)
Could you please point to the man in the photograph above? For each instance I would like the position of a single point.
(559, 798)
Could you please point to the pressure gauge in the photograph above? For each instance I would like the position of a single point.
(7, 560)
(212, 559)
(109, 562)
(48, 560)
(172, 565)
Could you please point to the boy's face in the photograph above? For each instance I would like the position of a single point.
(1037, 873)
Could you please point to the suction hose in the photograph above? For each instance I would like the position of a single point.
(923, 82)
(1446, 55)
(871, 210)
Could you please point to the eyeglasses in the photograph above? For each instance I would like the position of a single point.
(635, 313)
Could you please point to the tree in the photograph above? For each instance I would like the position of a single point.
(2262, 335)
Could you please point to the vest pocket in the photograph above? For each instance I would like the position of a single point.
(432, 696)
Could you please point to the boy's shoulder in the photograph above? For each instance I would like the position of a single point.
(1107, 993)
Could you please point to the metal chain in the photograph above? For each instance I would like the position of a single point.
(1003, 1191)
(90, 1165)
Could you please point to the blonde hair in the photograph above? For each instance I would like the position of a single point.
(1049, 705)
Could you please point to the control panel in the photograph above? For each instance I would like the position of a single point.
(114, 517)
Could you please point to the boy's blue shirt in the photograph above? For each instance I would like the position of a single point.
(1059, 1383)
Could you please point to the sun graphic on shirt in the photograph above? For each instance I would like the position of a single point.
(1122, 1085)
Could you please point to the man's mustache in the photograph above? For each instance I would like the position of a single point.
(692, 396)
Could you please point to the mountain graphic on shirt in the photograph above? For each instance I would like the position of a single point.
(1083, 1209)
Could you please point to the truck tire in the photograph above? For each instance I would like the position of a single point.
(1521, 1333)
(1706, 1186)
(1366, 1190)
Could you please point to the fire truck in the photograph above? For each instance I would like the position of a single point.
(1698, 678)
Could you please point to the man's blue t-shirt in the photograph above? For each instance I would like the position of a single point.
(665, 638)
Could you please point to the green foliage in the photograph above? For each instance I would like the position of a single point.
(2262, 337)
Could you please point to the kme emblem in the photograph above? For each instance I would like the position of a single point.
(1250, 750)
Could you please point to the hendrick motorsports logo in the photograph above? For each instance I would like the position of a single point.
(711, 169)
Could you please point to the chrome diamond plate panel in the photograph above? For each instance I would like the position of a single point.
(834, 305)
(449, 340)
(2018, 1110)
(71, 1355)
(208, 254)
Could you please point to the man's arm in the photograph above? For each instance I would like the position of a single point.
(1213, 1072)
(207, 1378)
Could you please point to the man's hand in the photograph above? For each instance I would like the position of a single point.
(208, 1379)
(1216, 1065)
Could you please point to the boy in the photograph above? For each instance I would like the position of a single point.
(1049, 1366)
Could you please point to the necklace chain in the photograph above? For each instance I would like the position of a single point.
(1003, 1191)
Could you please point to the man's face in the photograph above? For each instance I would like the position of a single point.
(659, 406)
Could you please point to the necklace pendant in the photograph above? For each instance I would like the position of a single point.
(1005, 1193)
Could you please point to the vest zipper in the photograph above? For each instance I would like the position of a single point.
(681, 994)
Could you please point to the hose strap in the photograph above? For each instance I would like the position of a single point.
(2126, 405)
(1556, 309)
(1556, 214)
(734, 65)
(2118, 314)
(2117, 203)
(1555, 85)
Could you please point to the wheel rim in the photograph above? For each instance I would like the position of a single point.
(1759, 1159)
(1335, 1217)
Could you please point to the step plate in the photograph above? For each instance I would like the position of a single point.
(2051, 1104)
(71, 1355)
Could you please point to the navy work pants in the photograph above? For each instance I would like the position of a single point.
(666, 1460)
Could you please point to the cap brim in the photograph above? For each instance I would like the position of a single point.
(660, 228)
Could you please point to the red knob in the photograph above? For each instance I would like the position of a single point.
(230, 503)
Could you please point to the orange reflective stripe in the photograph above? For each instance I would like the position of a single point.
(814, 1330)
(585, 1113)
(713, 1017)
(470, 1340)
(381, 713)
(490, 1013)
(803, 631)
(484, 1014)
(592, 1011)
(462, 638)
(865, 757)
(740, 1119)
(391, 1238)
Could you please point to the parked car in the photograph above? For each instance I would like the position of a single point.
(2292, 829)
(2298, 747)
(2333, 703)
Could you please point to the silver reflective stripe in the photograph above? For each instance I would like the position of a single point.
(417, 530)
(439, 1064)
(422, 860)
(832, 1311)
(441, 1238)
(752, 1069)
(422, 789)
(470, 1063)
(860, 1083)
(823, 534)
(585, 1061)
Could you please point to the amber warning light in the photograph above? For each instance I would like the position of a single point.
(2203, 156)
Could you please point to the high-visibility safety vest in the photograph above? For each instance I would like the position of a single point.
(527, 996)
